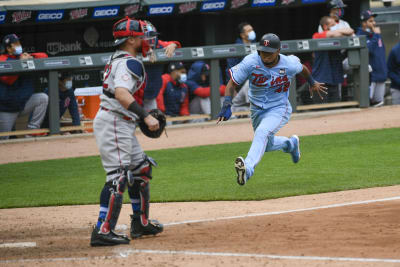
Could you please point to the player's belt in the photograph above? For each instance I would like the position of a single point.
(122, 116)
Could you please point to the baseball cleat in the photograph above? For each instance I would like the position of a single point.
(110, 239)
(153, 227)
(296, 148)
(240, 170)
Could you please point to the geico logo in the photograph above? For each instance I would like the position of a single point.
(214, 5)
(263, 1)
(50, 16)
(2, 17)
(106, 12)
(161, 10)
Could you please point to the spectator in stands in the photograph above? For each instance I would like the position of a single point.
(17, 93)
(394, 73)
(246, 36)
(336, 12)
(67, 100)
(147, 97)
(327, 67)
(199, 88)
(377, 57)
(173, 98)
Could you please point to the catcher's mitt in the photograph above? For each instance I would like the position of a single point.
(162, 120)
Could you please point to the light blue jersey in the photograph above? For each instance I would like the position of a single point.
(270, 109)
(269, 87)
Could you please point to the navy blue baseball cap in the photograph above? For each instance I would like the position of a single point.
(175, 66)
(10, 39)
(365, 15)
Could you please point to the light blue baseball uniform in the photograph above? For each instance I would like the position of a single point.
(270, 107)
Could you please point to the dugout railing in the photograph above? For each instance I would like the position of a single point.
(355, 47)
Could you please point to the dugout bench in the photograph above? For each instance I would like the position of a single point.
(356, 48)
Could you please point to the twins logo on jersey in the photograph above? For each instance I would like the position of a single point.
(280, 83)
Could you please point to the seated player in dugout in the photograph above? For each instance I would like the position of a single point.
(173, 98)
(147, 95)
(198, 82)
(18, 96)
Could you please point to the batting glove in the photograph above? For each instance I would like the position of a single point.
(226, 112)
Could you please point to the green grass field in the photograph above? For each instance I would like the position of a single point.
(329, 163)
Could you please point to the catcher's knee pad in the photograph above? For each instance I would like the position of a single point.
(117, 189)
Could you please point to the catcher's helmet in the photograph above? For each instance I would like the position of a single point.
(126, 27)
(336, 4)
(269, 43)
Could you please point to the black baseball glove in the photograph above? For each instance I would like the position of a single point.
(162, 120)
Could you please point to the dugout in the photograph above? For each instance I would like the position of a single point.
(71, 27)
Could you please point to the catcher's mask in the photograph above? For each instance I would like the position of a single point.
(127, 27)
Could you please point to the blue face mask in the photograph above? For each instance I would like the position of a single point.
(252, 36)
(183, 78)
(18, 50)
(68, 84)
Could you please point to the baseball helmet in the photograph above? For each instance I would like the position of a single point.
(270, 42)
(336, 4)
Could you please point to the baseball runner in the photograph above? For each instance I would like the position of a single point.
(122, 157)
(270, 74)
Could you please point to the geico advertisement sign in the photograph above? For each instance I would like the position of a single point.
(212, 6)
(102, 12)
(50, 15)
(263, 3)
(161, 10)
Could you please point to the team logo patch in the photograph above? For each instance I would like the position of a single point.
(126, 77)
(266, 42)
(282, 71)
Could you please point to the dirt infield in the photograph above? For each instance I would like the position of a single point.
(349, 228)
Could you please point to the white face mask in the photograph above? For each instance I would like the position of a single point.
(18, 50)
(68, 84)
(251, 36)
(183, 78)
(334, 28)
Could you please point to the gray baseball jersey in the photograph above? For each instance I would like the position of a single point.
(114, 126)
(122, 70)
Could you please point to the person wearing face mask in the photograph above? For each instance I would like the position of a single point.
(67, 100)
(198, 82)
(270, 74)
(17, 92)
(328, 67)
(336, 12)
(247, 36)
(173, 98)
(377, 57)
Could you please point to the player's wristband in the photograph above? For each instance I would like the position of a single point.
(138, 110)
(310, 80)
(228, 100)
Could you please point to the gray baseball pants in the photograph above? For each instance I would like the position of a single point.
(117, 143)
(36, 107)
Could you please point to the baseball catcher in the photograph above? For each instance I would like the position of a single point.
(123, 159)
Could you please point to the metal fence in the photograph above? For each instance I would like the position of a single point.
(357, 54)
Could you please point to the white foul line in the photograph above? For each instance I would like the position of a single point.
(18, 245)
(284, 212)
(125, 253)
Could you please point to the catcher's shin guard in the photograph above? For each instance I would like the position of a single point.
(139, 189)
(117, 188)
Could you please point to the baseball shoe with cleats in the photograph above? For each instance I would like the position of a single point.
(153, 227)
(110, 239)
(240, 168)
(296, 148)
